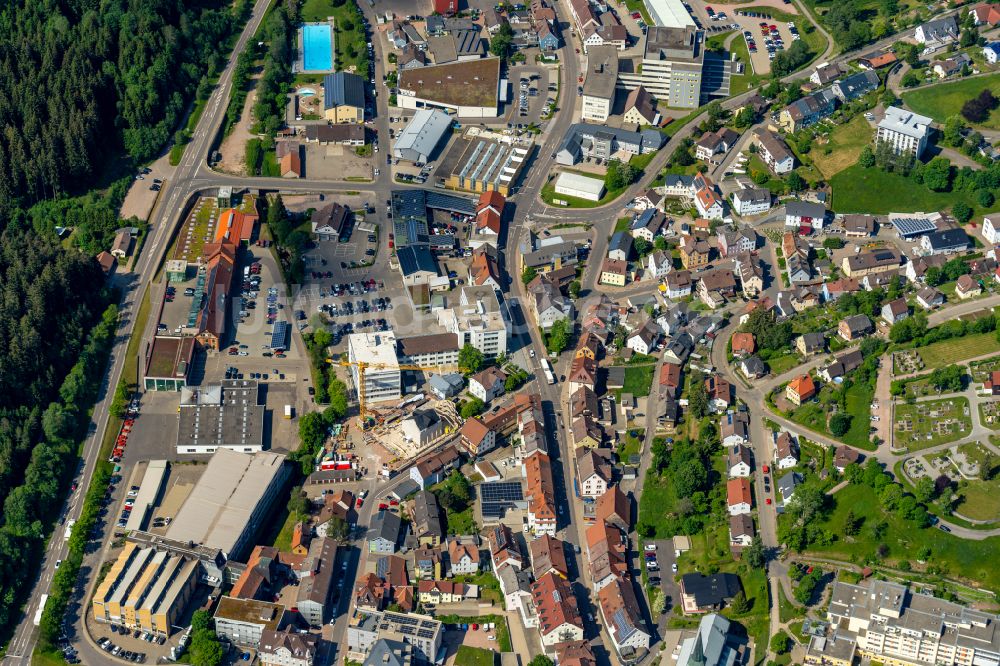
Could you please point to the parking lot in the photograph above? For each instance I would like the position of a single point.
(531, 91)
(765, 37)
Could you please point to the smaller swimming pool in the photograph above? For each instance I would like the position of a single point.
(306, 92)
(317, 54)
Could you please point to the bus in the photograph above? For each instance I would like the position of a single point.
(41, 609)
(547, 369)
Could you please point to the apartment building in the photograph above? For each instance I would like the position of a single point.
(244, 621)
(671, 67)
(540, 493)
(904, 131)
(775, 152)
(477, 320)
(382, 376)
(886, 622)
(599, 84)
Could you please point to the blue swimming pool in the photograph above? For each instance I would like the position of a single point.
(316, 56)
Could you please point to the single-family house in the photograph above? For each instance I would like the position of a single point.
(752, 367)
(488, 384)
(930, 298)
(739, 499)
(810, 343)
(734, 428)
(895, 311)
(966, 287)
(786, 450)
(743, 344)
(800, 389)
(741, 531)
(854, 327)
(739, 461)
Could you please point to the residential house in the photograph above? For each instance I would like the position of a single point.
(879, 61)
(463, 558)
(712, 145)
(701, 594)
(986, 13)
(676, 185)
(709, 204)
(871, 262)
(991, 52)
(670, 378)
(385, 533)
(614, 508)
(844, 364)
(589, 346)
(649, 224)
(808, 110)
(854, 327)
(991, 229)
(582, 372)
(858, 226)
(644, 339)
(607, 548)
(658, 264)
(593, 471)
(540, 493)
(504, 549)
(548, 555)
(623, 618)
(739, 499)
(287, 647)
(752, 201)
(826, 73)
(775, 152)
(646, 200)
(548, 304)
(904, 131)
(743, 344)
(937, 32)
(945, 241)
(716, 287)
(694, 252)
(752, 367)
(428, 524)
(487, 384)
(734, 428)
(679, 282)
(640, 108)
(736, 241)
(895, 311)
(800, 389)
(739, 462)
(555, 604)
(586, 432)
(741, 531)
(786, 450)
(929, 298)
(614, 272)
(787, 484)
(807, 216)
(719, 392)
(436, 592)
(952, 66)
(843, 456)
(966, 287)
(620, 246)
(918, 266)
(856, 85)
(477, 437)
(810, 343)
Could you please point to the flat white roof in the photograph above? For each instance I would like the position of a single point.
(669, 13)
(217, 511)
(575, 181)
(149, 489)
(905, 122)
(373, 347)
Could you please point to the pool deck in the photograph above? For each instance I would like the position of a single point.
(299, 65)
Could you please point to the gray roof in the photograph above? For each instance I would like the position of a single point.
(712, 645)
(856, 85)
(647, 140)
(905, 122)
(385, 525)
(414, 258)
(447, 384)
(427, 515)
(602, 72)
(799, 208)
(788, 483)
(343, 89)
(941, 28)
(423, 133)
(387, 652)
(620, 241)
(948, 238)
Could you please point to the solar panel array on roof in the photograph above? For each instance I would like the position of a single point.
(912, 226)
(450, 203)
(279, 336)
(623, 624)
(499, 496)
(409, 204)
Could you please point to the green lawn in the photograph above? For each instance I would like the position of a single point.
(782, 364)
(946, 352)
(844, 145)
(946, 99)
(638, 380)
(657, 500)
(980, 500)
(622, 224)
(630, 445)
(473, 656)
(925, 424)
(860, 190)
(972, 561)
(489, 586)
(461, 522)
(283, 540)
(859, 406)
(642, 161)
(740, 83)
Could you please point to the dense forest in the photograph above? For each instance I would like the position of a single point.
(83, 81)
(88, 88)
(50, 367)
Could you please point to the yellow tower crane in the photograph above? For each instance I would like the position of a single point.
(362, 366)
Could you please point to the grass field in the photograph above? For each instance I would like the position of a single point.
(859, 190)
(946, 99)
(859, 406)
(931, 423)
(958, 349)
(980, 500)
(782, 364)
(973, 561)
(474, 656)
(845, 144)
(630, 445)
(638, 379)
